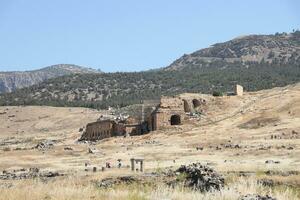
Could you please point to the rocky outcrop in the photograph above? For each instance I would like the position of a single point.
(201, 177)
(10, 81)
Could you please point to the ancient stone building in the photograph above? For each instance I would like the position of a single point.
(168, 112)
(238, 90)
(175, 110)
(102, 129)
(109, 128)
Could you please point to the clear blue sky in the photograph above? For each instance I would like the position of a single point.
(129, 35)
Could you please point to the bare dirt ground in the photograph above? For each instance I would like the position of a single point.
(255, 133)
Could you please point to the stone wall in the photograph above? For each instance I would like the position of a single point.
(163, 118)
(98, 130)
(238, 90)
(133, 129)
(172, 109)
(109, 128)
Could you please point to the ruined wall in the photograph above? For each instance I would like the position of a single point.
(179, 106)
(119, 129)
(98, 130)
(171, 111)
(133, 129)
(163, 118)
(171, 103)
(238, 90)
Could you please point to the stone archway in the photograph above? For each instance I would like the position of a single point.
(196, 103)
(175, 120)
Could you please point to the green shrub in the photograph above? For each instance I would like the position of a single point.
(217, 94)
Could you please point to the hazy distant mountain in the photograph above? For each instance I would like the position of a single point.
(279, 48)
(9, 81)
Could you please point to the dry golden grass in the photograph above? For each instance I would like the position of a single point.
(78, 189)
(172, 147)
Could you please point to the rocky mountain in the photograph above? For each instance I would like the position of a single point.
(256, 62)
(10, 81)
(279, 48)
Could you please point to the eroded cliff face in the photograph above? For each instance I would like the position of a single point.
(10, 81)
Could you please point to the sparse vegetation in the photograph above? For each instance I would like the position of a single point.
(217, 94)
(122, 89)
(256, 62)
(76, 188)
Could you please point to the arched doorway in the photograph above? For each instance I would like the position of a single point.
(175, 120)
(196, 103)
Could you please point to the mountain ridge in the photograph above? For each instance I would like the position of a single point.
(281, 48)
(190, 73)
(12, 80)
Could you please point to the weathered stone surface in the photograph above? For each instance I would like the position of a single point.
(201, 177)
(256, 197)
(238, 90)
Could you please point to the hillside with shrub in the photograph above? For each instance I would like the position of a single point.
(210, 71)
(121, 89)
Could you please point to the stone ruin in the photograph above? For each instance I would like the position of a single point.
(176, 110)
(196, 176)
(238, 90)
(27, 174)
(169, 111)
(137, 160)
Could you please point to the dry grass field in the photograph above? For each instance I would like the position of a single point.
(256, 134)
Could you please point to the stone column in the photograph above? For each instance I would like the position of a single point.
(132, 164)
(141, 167)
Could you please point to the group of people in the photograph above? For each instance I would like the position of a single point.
(107, 165)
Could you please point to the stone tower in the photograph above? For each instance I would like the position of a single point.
(238, 90)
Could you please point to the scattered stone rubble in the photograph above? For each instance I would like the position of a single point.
(281, 173)
(256, 197)
(68, 148)
(292, 135)
(196, 176)
(93, 150)
(201, 177)
(27, 174)
(110, 182)
(45, 145)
